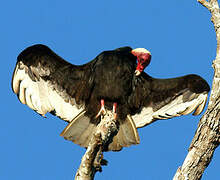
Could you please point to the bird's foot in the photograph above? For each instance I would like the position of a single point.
(102, 110)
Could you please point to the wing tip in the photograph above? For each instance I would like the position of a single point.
(201, 106)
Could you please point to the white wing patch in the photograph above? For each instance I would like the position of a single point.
(144, 117)
(175, 108)
(41, 96)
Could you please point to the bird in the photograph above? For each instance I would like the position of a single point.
(114, 80)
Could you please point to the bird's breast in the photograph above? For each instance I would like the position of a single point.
(113, 79)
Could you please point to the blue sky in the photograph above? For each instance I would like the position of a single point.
(179, 35)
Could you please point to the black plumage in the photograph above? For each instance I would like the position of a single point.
(47, 83)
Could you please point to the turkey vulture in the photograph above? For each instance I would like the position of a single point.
(47, 83)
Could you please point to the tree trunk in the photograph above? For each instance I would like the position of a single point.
(207, 136)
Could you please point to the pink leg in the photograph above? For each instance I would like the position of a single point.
(102, 109)
(114, 110)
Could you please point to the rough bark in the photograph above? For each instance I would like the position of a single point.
(207, 136)
(93, 158)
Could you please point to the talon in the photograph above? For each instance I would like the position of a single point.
(102, 110)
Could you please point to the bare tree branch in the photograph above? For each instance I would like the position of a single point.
(207, 136)
(205, 4)
(93, 158)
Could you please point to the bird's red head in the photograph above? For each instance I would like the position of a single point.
(143, 59)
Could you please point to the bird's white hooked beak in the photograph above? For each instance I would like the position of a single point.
(137, 72)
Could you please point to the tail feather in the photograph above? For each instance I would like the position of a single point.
(80, 131)
(127, 135)
(75, 129)
(86, 136)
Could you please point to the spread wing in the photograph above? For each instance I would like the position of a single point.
(156, 99)
(46, 83)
